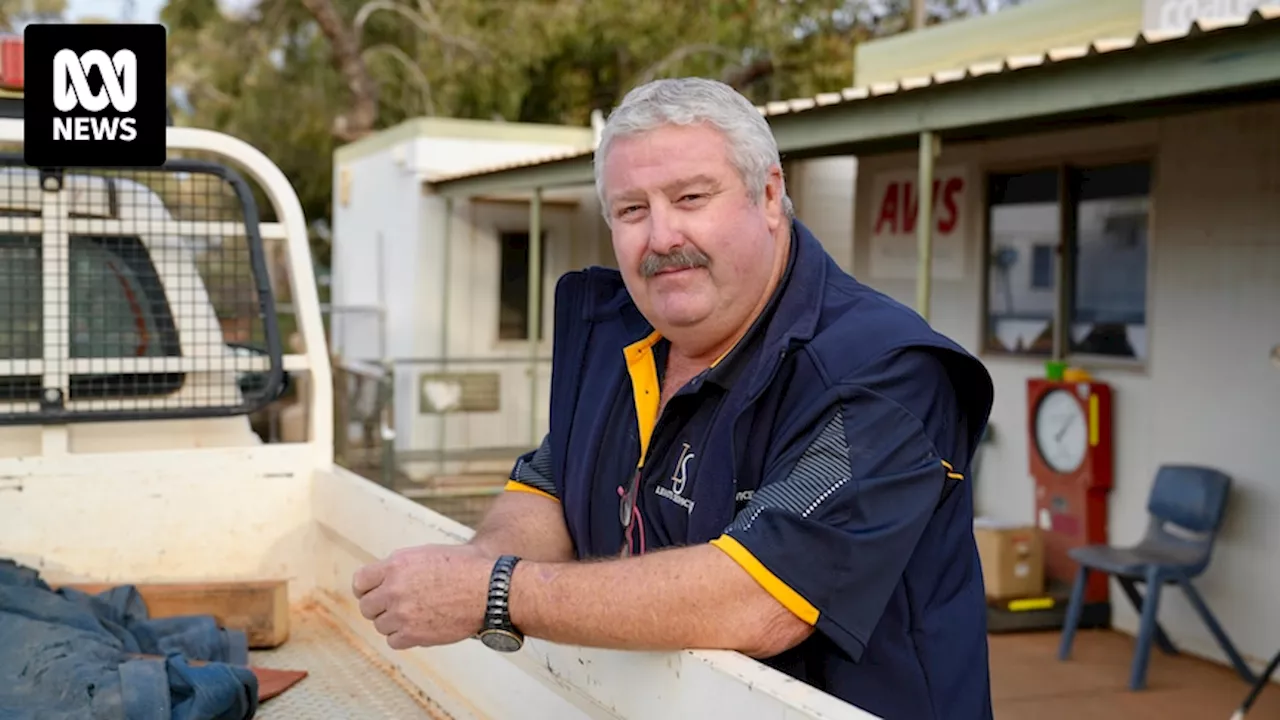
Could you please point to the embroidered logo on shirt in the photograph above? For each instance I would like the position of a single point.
(678, 480)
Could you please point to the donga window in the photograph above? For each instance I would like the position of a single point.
(1067, 261)
(114, 307)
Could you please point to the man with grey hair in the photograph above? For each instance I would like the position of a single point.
(748, 450)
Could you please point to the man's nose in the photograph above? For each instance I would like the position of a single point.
(665, 233)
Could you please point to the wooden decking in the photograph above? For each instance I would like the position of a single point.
(1028, 682)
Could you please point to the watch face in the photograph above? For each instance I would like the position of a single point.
(1062, 432)
(501, 640)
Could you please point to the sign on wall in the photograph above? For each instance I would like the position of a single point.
(459, 392)
(894, 209)
(1179, 14)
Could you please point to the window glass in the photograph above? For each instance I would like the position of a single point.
(1104, 244)
(21, 298)
(1108, 307)
(1023, 222)
(118, 307)
(513, 299)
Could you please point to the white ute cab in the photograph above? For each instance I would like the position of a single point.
(127, 457)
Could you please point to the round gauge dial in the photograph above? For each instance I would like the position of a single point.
(1062, 431)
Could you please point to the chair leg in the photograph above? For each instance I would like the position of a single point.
(1135, 598)
(1219, 634)
(1074, 610)
(1146, 628)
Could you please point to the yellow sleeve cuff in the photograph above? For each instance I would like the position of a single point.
(517, 486)
(782, 592)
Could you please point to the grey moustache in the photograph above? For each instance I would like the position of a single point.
(678, 260)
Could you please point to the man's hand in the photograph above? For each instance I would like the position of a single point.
(424, 596)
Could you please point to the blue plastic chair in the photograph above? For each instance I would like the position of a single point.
(1186, 508)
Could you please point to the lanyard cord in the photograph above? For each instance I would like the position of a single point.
(629, 514)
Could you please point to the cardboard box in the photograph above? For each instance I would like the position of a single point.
(1012, 559)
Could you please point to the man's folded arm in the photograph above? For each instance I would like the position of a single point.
(822, 545)
(830, 533)
(527, 519)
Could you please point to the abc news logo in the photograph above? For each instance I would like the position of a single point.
(71, 91)
(96, 95)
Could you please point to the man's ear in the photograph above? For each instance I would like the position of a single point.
(774, 190)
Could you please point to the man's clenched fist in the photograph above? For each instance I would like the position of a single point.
(424, 596)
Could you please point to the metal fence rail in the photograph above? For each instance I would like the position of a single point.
(450, 448)
(364, 401)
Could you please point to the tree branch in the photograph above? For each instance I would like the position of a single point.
(679, 54)
(424, 85)
(739, 78)
(360, 119)
(429, 26)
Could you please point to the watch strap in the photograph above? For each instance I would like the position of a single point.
(497, 615)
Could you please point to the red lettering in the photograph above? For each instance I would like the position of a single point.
(910, 207)
(888, 209)
(900, 206)
(953, 188)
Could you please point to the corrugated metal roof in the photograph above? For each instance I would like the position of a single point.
(530, 162)
(1026, 27)
(1014, 63)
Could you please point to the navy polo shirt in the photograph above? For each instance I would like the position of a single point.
(653, 458)
(825, 453)
(646, 463)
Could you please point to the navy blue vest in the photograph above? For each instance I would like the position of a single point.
(846, 324)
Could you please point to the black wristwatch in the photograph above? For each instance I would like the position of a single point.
(498, 633)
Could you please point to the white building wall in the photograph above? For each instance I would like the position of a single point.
(375, 226)
(1208, 393)
(575, 236)
(387, 254)
(380, 256)
(822, 193)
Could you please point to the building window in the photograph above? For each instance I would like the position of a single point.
(513, 293)
(1100, 290)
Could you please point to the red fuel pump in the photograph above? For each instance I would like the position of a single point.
(1070, 458)
(1072, 464)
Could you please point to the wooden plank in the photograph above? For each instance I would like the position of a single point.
(258, 607)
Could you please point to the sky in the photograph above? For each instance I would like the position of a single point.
(143, 10)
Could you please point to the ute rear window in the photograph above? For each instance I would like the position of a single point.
(118, 309)
(130, 295)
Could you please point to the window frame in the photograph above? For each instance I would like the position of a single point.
(1065, 250)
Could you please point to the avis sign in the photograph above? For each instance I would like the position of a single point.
(95, 95)
(895, 208)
